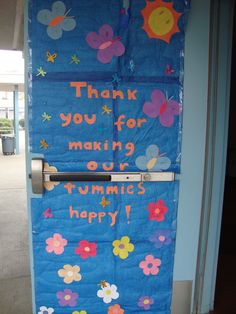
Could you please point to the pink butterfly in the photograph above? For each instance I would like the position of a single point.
(169, 70)
(47, 213)
(161, 107)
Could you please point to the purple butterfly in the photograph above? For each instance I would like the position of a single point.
(47, 213)
(169, 70)
(105, 43)
(160, 106)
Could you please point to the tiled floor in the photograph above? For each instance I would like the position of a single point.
(15, 288)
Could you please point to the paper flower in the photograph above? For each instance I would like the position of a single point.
(161, 238)
(105, 43)
(115, 309)
(49, 186)
(162, 107)
(81, 312)
(67, 297)
(56, 244)
(70, 273)
(108, 293)
(145, 302)
(57, 20)
(150, 265)
(86, 249)
(153, 160)
(122, 247)
(157, 210)
(45, 310)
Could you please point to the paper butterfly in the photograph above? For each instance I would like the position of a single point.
(153, 160)
(169, 70)
(160, 106)
(47, 213)
(105, 43)
(57, 20)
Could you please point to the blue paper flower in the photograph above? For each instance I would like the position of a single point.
(161, 238)
(153, 160)
(57, 20)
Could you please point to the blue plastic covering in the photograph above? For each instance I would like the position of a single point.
(105, 94)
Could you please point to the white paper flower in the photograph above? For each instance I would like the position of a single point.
(45, 310)
(108, 293)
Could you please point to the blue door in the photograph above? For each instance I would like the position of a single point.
(105, 112)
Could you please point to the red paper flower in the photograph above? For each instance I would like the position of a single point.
(86, 249)
(157, 210)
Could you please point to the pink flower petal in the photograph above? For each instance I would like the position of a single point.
(146, 271)
(154, 270)
(149, 258)
(143, 264)
(49, 249)
(58, 250)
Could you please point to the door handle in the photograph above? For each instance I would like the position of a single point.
(38, 176)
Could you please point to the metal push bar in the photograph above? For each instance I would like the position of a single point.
(39, 176)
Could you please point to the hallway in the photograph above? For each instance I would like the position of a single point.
(15, 290)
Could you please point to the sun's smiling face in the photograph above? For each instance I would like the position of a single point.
(160, 20)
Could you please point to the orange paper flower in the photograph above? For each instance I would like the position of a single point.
(115, 309)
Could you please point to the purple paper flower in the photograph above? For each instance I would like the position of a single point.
(105, 43)
(160, 106)
(161, 238)
(145, 302)
(67, 297)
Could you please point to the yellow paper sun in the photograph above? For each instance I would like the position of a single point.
(160, 20)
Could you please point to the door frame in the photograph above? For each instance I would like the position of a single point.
(222, 14)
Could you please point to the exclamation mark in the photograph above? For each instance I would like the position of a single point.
(128, 210)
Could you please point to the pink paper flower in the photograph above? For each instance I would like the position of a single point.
(56, 244)
(86, 249)
(150, 265)
(157, 210)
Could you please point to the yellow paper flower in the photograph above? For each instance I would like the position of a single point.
(49, 185)
(123, 247)
(70, 273)
(81, 312)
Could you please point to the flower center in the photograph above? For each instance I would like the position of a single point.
(108, 292)
(149, 265)
(151, 163)
(157, 211)
(146, 301)
(70, 273)
(162, 238)
(56, 243)
(121, 246)
(87, 249)
(67, 297)
(45, 312)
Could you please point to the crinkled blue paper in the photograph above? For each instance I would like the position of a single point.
(148, 64)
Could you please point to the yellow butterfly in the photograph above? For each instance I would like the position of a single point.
(106, 110)
(44, 144)
(104, 202)
(51, 57)
(103, 284)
